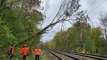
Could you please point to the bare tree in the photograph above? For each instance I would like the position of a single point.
(103, 20)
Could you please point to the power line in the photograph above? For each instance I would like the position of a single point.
(91, 4)
(58, 11)
(97, 7)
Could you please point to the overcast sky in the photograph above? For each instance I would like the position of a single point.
(94, 11)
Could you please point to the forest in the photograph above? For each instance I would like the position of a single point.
(82, 38)
(18, 21)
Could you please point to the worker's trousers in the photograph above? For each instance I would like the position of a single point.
(37, 57)
(24, 57)
(11, 56)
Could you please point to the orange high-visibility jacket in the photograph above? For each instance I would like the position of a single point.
(24, 51)
(37, 51)
(12, 52)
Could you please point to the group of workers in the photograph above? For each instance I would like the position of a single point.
(24, 51)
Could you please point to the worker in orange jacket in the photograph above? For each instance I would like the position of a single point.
(24, 52)
(37, 53)
(11, 52)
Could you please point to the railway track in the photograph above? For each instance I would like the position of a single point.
(97, 57)
(61, 58)
(55, 55)
(79, 56)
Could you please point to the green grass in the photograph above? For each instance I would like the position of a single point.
(42, 57)
(30, 57)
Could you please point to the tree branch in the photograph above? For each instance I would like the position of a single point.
(39, 33)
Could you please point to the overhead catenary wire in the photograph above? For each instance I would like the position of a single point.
(97, 6)
(61, 10)
(58, 12)
(86, 8)
(90, 5)
(94, 8)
